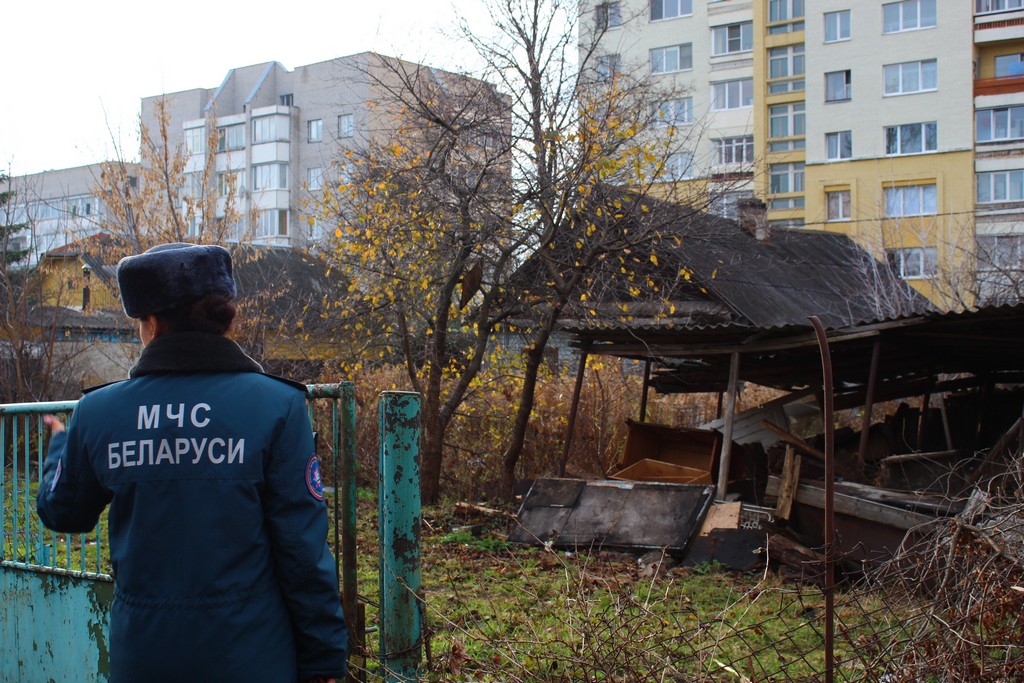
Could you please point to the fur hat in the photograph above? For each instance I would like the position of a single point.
(171, 275)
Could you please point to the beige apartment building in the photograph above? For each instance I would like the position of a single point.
(900, 123)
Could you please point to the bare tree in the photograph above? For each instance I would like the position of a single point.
(496, 203)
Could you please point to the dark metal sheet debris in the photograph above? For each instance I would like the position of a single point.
(612, 514)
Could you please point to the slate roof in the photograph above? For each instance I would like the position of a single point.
(738, 280)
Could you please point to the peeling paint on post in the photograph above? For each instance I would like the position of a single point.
(399, 506)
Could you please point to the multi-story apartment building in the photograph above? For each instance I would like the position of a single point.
(279, 134)
(898, 122)
(57, 207)
(701, 54)
(999, 146)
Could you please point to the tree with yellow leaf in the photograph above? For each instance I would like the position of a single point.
(496, 204)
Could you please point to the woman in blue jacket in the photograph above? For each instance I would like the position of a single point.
(217, 522)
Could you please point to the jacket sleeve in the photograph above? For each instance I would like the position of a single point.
(296, 517)
(70, 498)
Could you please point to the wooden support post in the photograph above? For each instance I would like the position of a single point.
(730, 418)
(789, 485)
(647, 386)
(572, 410)
(869, 400)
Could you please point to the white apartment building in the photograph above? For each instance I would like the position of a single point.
(703, 53)
(59, 207)
(280, 135)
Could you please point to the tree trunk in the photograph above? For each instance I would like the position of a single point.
(431, 449)
(510, 458)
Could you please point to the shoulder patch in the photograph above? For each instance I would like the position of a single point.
(314, 480)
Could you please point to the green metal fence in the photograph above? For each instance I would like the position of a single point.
(43, 568)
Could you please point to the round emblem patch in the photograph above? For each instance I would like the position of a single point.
(314, 482)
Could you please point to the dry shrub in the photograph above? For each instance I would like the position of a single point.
(479, 432)
(963, 582)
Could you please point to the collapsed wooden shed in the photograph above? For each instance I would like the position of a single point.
(747, 321)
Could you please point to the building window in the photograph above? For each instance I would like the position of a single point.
(838, 204)
(735, 94)
(1004, 123)
(346, 125)
(738, 150)
(270, 177)
(193, 184)
(785, 178)
(911, 77)
(286, 100)
(608, 67)
(230, 138)
(786, 62)
(911, 138)
(908, 15)
(674, 58)
(733, 38)
(726, 205)
(986, 6)
(195, 140)
(785, 11)
(838, 86)
(314, 178)
(269, 129)
(910, 200)
(667, 9)
(837, 26)
(315, 130)
(230, 182)
(272, 223)
(786, 121)
(1009, 65)
(912, 263)
(1000, 268)
(839, 145)
(671, 113)
(679, 166)
(786, 203)
(1001, 186)
(608, 15)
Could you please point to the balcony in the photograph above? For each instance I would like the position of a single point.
(998, 86)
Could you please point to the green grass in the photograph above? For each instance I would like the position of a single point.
(500, 612)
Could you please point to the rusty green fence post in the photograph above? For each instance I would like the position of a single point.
(401, 623)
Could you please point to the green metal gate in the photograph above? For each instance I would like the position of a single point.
(56, 588)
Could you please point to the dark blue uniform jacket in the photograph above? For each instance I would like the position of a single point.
(217, 524)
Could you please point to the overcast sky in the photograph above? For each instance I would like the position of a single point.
(74, 72)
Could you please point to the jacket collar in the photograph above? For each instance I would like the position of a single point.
(189, 352)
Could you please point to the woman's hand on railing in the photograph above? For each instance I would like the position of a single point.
(53, 423)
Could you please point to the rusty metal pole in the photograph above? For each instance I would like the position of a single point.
(730, 414)
(401, 621)
(830, 518)
(567, 441)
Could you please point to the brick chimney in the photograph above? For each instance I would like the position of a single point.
(751, 214)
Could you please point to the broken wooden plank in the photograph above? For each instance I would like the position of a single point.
(796, 441)
(857, 507)
(722, 516)
(790, 481)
